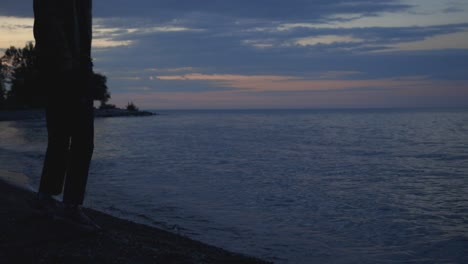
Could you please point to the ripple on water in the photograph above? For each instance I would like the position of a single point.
(297, 186)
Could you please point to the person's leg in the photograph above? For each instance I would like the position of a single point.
(81, 150)
(57, 153)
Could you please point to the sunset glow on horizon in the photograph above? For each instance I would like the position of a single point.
(171, 54)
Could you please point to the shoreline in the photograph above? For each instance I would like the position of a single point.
(32, 114)
(27, 237)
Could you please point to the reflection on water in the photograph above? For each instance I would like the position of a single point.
(291, 186)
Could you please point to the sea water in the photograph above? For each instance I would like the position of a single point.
(289, 186)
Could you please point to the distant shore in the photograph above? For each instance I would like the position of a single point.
(12, 115)
(28, 237)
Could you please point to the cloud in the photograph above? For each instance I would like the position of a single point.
(255, 9)
(457, 40)
(308, 35)
(338, 74)
(18, 8)
(279, 53)
(172, 70)
(453, 9)
(15, 31)
(325, 39)
(423, 95)
(291, 83)
(182, 48)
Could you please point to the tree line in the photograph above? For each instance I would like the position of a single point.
(19, 87)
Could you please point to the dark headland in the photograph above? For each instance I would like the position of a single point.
(28, 237)
(11, 115)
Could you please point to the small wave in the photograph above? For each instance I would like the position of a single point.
(16, 179)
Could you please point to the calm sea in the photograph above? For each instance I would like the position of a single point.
(290, 186)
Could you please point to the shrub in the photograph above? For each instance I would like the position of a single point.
(131, 107)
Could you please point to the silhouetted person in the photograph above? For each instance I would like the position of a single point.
(63, 34)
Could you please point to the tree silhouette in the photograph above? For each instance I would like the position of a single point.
(132, 107)
(101, 92)
(2, 88)
(20, 73)
(19, 70)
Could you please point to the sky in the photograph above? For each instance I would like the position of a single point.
(245, 54)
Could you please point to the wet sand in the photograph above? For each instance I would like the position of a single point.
(26, 236)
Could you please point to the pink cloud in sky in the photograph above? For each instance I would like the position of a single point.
(264, 91)
(292, 83)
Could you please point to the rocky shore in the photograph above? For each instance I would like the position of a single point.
(28, 237)
(120, 112)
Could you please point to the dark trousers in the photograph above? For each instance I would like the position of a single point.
(70, 128)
